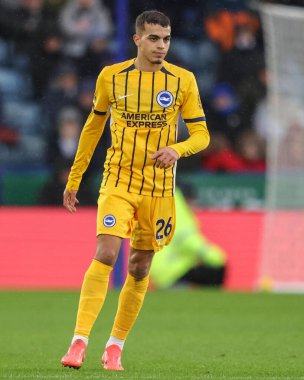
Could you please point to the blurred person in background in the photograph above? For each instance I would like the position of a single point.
(144, 97)
(54, 7)
(223, 111)
(51, 193)
(243, 68)
(25, 24)
(66, 136)
(9, 136)
(62, 91)
(291, 144)
(79, 20)
(220, 156)
(97, 55)
(251, 148)
(244, 60)
(10, 4)
(224, 19)
(248, 155)
(237, 31)
(46, 57)
(62, 147)
(85, 96)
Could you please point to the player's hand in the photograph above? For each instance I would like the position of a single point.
(70, 200)
(165, 157)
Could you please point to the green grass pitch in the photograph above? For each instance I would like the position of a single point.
(180, 334)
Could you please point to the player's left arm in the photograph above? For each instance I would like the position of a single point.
(193, 114)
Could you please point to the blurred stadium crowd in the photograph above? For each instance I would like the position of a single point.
(52, 51)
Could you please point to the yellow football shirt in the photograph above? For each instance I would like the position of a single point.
(144, 109)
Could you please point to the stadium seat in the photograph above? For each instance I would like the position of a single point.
(4, 54)
(14, 85)
(23, 115)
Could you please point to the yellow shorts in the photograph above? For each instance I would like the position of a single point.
(149, 222)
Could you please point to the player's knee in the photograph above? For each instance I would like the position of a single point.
(139, 270)
(106, 255)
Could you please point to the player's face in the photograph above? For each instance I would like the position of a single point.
(153, 43)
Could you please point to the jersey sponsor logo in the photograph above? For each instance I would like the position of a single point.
(164, 98)
(145, 120)
(109, 221)
(124, 96)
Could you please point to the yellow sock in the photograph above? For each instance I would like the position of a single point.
(92, 296)
(130, 302)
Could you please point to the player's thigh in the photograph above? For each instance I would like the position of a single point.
(155, 223)
(115, 215)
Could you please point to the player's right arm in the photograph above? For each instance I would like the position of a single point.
(89, 138)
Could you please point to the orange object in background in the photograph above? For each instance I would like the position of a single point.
(222, 26)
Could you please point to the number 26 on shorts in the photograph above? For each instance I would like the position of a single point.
(164, 228)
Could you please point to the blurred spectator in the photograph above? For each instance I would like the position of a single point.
(62, 91)
(244, 60)
(9, 137)
(243, 67)
(10, 4)
(25, 24)
(85, 96)
(21, 133)
(291, 147)
(251, 148)
(51, 193)
(228, 5)
(249, 155)
(54, 7)
(222, 26)
(200, 56)
(66, 137)
(220, 157)
(223, 112)
(251, 92)
(96, 56)
(79, 20)
(47, 55)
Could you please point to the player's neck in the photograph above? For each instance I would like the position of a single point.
(144, 65)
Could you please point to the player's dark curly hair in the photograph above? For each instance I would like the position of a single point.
(151, 17)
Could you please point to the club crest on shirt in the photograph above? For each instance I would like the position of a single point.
(109, 220)
(164, 98)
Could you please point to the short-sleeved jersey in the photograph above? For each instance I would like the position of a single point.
(144, 108)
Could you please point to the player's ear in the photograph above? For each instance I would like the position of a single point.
(136, 39)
